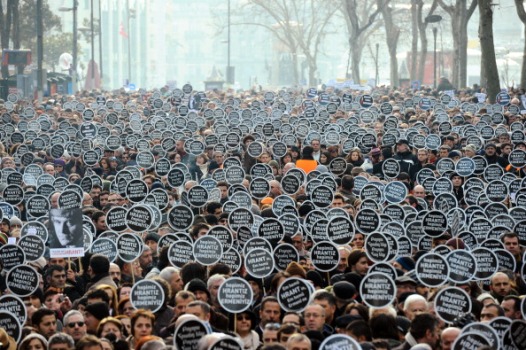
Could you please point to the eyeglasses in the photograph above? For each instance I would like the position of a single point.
(72, 324)
(272, 326)
(313, 315)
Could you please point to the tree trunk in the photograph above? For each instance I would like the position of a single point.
(356, 57)
(393, 33)
(489, 63)
(296, 69)
(422, 25)
(312, 73)
(414, 41)
(519, 4)
(460, 15)
(358, 31)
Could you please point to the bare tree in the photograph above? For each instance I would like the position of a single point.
(460, 14)
(5, 27)
(488, 66)
(359, 16)
(422, 26)
(519, 4)
(413, 68)
(392, 35)
(298, 24)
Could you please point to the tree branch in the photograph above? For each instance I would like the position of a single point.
(519, 4)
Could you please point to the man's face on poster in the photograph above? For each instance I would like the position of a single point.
(65, 228)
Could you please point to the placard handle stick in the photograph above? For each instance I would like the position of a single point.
(81, 269)
(133, 273)
(69, 263)
(328, 278)
(263, 283)
(235, 323)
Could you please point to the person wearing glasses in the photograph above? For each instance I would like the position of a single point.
(245, 322)
(270, 333)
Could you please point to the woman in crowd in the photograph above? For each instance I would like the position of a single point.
(141, 326)
(110, 325)
(245, 323)
(355, 157)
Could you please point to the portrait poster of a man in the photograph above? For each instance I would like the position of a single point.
(66, 235)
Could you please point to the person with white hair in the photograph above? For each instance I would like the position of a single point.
(298, 341)
(213, 284)
(415, 304)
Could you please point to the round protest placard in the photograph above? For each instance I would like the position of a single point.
(434, 223)
(198, 196)
(500, 324)
(290, 184)
(129, 246)
(22, 280)
(136, 190)
(377, 290)
(462, 266)
(207, 250)
(147, 294)
(451, 302)
(35, 228)
(517, 332)
(235, 295)
(465, 167)
(367, 221)
(33, 246)
(116, 219)
(371, 191)
(506, 259)
(496, 191)
(180, 252)
(322, 196)
(256, 242)
(284, 254)
(340, 341)
(232, 258)
(390, 168)
(470, 340)
(139, 218)
(180, 217)
(70, 199)
(486, 330)
(432, 270)
(13, 194)
(176, 177)
(10, 323)
(487, 263)
(340, 230)
(11, 255)
(37, 206)
(227, 343)
(395, 192)
(106, 247)
(377, 247)
(14, 305)
(294, 294)
(325, 256)
(223, 234)
(259, 263)
(259, 187)
(272, 230)
(240, 217)
(188, 333)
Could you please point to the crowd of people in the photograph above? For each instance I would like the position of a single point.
(84, 303)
